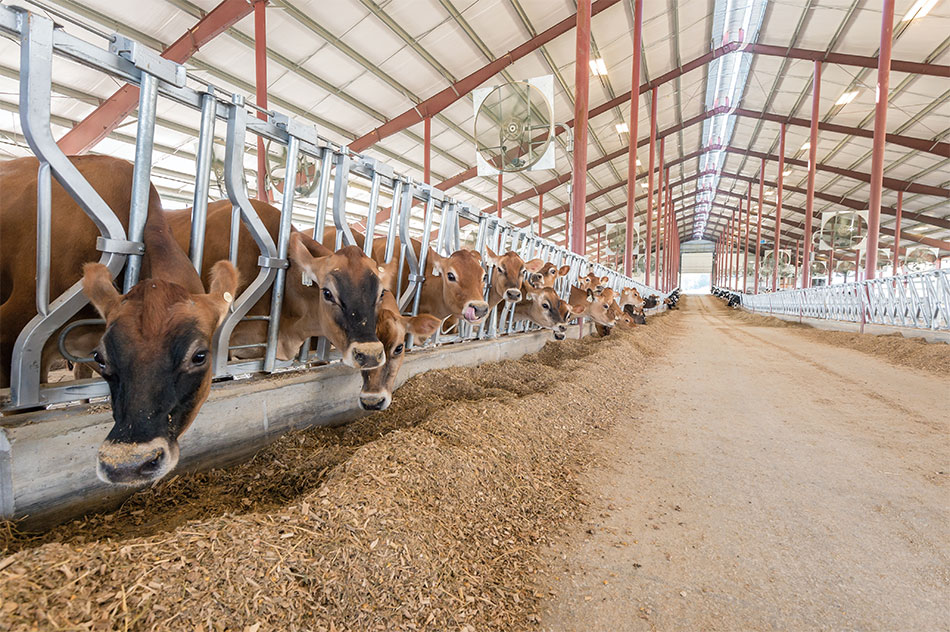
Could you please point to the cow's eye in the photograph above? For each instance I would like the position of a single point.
(484, 278)
(450, 276)
(398, 350)
(328, 295)
(545, 306)
(99, 359)
(199, 358)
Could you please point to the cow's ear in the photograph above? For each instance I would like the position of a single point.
(490, 256)
(437, 262)
(563, 270)
(423, 325)
(300, 255)
(224, 285)
(98, 288)
(590, 295)
(477, 254)
(534, 265)
(387, 273)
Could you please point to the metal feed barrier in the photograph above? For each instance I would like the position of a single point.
(920, 300)
(418, 209)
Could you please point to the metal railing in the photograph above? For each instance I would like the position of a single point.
(920, 300)
(416, 209)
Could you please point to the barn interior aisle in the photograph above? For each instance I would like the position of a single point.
(771, 481)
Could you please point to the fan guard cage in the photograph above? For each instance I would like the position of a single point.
(514, 126)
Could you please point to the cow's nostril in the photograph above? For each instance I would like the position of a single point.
(360, 358)
(153, 464)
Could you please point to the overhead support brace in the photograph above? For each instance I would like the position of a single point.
(438, 102)
(111, 113)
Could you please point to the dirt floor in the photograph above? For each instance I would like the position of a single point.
(708, 471)
(775, 478)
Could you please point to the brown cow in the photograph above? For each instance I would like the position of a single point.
(506, 278)
(630, 296)
(592, 305)
(326, 293)
(547, 272)
(544, 308)
(154, 352)
(392, 328)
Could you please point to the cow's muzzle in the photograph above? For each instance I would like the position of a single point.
(136, 463)
(365, 355)
(375, 401)
(513, 295)
(475, 311)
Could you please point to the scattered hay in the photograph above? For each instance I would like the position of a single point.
(430, 516)
(915, 353)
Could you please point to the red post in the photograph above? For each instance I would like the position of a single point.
(659, 214)
(812, 162)
(648, 255)
(499, 194)
(633, 128)
(831, 263)
(427, 151)
(581, 90)
(795, 281)
(778, 205)
(745, 259)
(599, 235)
(897, 232)
(540, 211)
(758, 224)
(738, 243)
(880, 131)
(260, 63)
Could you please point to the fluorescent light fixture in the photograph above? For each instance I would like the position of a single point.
(598, 67)
(806, 146)
(643, 184)
(639, 164)
(919, 10)
(846, 98)
(787, 172)
(622, 128)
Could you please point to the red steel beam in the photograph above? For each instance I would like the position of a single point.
(427, 150)
(778, 207)
(632, 129)
(880, 130)
(897, 231)
(745, 262)
(438, 102)
(659, 214)
(105, 118)
(647, 254)
(941, 149)
(758, 229)
(862, 61)
(894, 184)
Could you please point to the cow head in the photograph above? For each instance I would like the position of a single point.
(342, 299)
(507, 274)
(630, 296)
(544, 273)
(392, 328)
(155, 355)
(599, 307)
(463, 283)
(544, 308)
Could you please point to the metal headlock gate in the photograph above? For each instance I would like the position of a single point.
(418, 209)
(919, 300)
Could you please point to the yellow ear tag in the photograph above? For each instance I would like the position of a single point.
(227, 297)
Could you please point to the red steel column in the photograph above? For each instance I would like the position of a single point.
(260, 63)
(427, 151)
(795, 280)
(499, 194)
(633, 129)
(659, 214)
(831, 263)
(812, 162)
(738, 242)
(599, 235)
(648, 255)
(880, 131)
(897, 232)
(758, 224)
(729, 250)
(581, 90)
(745, 258)
(540, 211)
(778, 206)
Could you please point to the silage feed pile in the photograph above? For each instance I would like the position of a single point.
(429, 516)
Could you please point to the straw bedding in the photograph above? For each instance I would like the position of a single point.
(429, 516)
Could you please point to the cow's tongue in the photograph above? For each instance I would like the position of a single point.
(469, 313)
